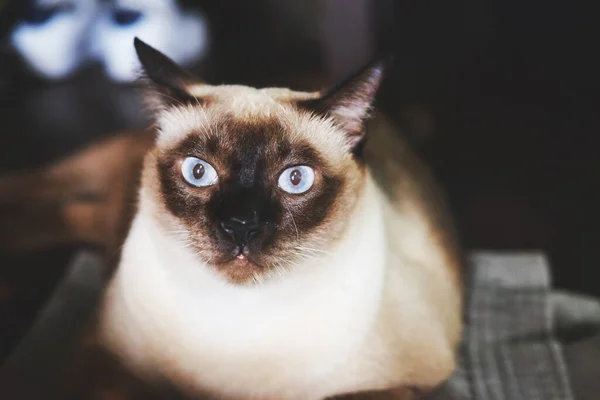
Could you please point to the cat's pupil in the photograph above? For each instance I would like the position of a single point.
(296, 177)
(198, 171)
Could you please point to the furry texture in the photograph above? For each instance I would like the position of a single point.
(369, 298)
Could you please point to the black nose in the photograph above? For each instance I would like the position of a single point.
(241, 230)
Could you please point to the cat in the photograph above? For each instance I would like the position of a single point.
(271, 244)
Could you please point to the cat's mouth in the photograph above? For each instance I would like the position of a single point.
(242, 257)
(241, 268)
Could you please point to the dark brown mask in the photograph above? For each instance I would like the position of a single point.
(254, 181)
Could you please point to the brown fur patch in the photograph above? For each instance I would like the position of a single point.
(87, 198)
(408, 181)
(249, 154)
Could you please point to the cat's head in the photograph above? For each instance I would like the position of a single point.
(254, 181)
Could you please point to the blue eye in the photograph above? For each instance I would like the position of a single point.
(125, 17)
(198, 172)
(297, 180)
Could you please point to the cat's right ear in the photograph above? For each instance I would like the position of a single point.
(164, 83)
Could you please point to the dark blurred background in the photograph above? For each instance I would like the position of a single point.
(499, 96)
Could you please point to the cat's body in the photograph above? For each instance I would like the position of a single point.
(381, 311)
(352, 285)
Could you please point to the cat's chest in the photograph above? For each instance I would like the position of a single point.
(223, 346)
(287, 336)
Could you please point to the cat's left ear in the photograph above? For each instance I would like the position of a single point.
(350, 102)
(164, 82)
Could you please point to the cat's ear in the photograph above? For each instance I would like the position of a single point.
(164, 83)
(350, 102)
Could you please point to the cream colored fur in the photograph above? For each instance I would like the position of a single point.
(379, 312)
(249, 103)
(381, 309)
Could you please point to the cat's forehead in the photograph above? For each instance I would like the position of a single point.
(249, 97)
(230, 113)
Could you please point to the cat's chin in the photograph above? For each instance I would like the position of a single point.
(242, 270)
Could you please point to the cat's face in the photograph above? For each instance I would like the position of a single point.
(254, 181)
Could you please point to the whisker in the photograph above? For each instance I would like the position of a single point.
(294, 222)
(205, 123)
(320, 251)
(170, 98)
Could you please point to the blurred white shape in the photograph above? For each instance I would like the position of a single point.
(59, 36)
(51, 40)
(183, 36)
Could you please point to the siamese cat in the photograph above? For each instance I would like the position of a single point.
(282, 245)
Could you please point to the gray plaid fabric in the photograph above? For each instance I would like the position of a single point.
(509, 351)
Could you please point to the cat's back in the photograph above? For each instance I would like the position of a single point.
(424, 263)
(412, 191)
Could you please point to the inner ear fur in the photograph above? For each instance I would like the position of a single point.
(349, 103)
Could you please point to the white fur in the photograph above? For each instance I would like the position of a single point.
(177, 122)
(319, 330)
